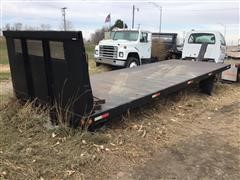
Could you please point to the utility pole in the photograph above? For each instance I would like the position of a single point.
(160, 19)
(133, 15)
(64, 18)
(160, 14)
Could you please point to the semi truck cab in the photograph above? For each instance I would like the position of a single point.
(126, 48)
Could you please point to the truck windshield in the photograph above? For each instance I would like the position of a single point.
(199, 38)
(126, 35)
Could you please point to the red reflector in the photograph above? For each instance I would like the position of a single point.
(103, 116)
(190, 82)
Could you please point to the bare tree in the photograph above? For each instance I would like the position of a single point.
(98, 35)
(7, 27)
(30, 28)
(17, 26)
(45, 27)
(119, 24)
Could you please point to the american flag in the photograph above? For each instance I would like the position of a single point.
(108, 18)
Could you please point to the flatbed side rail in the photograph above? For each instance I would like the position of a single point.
(51, 66)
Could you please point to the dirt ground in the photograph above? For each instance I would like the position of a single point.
(205, 146)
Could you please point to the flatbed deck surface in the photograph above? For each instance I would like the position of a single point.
(123, 87)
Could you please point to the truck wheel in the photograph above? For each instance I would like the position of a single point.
(97, 64)
(132, 62)
(174, 56)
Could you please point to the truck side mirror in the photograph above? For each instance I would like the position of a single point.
(149, 37)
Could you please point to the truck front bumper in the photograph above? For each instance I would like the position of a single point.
(113, 62)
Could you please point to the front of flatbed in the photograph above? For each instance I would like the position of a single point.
(52, 68)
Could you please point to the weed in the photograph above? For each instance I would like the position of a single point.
(4, 76)
(27, 144)
(3, 51)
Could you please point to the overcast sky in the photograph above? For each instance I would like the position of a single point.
(87, 16)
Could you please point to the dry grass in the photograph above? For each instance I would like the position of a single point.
(93, 69)
(3, 51)
(31, 149)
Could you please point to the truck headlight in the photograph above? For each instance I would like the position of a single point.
(120, 54)
(96, 52)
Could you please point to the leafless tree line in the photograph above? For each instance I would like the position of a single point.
(95, 37)
(98, 35)
(19, 26)
(44, 27)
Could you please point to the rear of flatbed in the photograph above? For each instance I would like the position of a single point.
(52, 68)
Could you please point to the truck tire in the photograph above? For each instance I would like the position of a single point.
(132, 62)
(173, 56)
(97, 64)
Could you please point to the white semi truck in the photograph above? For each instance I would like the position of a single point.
(130, 48)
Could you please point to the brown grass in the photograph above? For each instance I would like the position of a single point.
(3, 51)
(32, 149)
(4, 68)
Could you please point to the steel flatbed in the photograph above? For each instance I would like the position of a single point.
(51, 67)
(129, 88)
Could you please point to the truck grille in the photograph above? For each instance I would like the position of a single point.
(108, 51)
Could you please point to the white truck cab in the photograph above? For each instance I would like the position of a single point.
(126, 48)
(216, 46)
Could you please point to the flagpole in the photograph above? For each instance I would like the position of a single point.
(110, 22)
